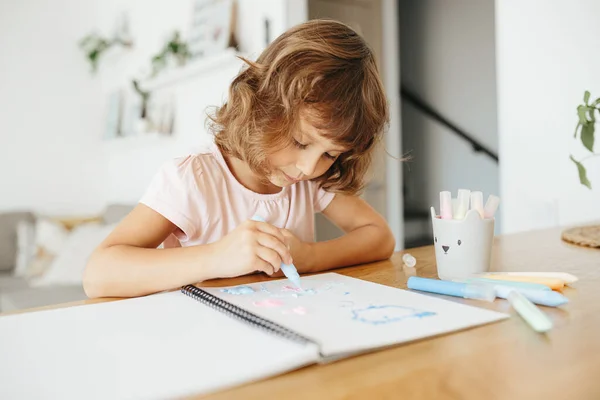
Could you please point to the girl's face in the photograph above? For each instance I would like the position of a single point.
(309, 156)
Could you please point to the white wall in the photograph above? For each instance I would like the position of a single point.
(547, 57)
(49, 108)
(448, 58)
(52, 155)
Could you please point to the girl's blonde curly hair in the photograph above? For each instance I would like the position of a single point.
(323, 67)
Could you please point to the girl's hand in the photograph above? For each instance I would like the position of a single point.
(252, 246)
(301, 252)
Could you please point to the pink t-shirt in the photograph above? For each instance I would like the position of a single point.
(199, 194)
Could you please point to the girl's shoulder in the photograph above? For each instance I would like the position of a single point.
(189, 171)
(199, 163)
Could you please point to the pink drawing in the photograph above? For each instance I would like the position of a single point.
(289, 288)
(298, 310)
(268, 303)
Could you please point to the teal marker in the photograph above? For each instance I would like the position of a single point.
(289, 270)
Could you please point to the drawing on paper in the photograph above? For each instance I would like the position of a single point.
(378, 315)
(238, 290)
(275, 290)
(296, 310)
(269, 303)
(287, 291)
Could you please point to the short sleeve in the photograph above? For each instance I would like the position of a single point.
(321, 198)
(169, 195)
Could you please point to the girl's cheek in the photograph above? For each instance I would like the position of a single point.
(323, 167)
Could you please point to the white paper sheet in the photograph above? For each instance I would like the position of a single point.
(347, 315)
(162, 346)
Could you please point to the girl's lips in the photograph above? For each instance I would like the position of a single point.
(289, 178)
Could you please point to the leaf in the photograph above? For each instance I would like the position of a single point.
(576, 128)
(582, 173)
(586, 97)
(587, 136)
(581, 111)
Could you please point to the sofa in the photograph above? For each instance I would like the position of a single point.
(42, 258)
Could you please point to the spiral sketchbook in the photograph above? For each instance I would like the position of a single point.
(199, 340)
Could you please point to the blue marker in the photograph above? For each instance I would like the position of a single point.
(480, 290)
(289, 270)
(465, 290)
(548, 298)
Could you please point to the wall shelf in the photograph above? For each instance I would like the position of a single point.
(191, 69)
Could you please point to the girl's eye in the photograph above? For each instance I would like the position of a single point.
(299, 145)
(329, 156)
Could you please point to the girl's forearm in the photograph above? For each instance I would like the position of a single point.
(366, 244)
(128, 271)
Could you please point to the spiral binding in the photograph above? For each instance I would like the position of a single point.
(239, 313)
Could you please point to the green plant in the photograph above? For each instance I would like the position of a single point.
(95, 45)
(176, 48)
(587, 121)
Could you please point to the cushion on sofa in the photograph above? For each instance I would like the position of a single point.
(8, 237)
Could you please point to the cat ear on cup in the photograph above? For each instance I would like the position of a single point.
(472, 215)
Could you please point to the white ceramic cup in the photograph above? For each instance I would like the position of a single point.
(462, 247)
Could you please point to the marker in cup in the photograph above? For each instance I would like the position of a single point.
(491, 205)
(477, 202)
(446, 205)
(462, 203)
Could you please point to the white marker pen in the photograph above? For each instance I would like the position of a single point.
(446, 205)
(491, 205)
(462, 203)
(477, 202)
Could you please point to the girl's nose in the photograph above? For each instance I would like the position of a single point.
(308, 164)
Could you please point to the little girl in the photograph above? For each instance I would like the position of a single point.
(295, 138)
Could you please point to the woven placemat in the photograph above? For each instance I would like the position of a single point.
(583, 235)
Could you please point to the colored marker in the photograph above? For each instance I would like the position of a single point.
(465, 290)
(553, 283)
(491, 205)
(529, 312)
(548, 298)
(289, 270)
(446, 205)
(516, 284)
(564, 276)
(462, 203)
(477, 202)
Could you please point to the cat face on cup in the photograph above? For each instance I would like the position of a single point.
(458, 239)
(462, 246)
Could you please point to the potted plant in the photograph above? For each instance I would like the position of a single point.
(175, 50)
(586, 128)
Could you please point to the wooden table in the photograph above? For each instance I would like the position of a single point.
(503, 360)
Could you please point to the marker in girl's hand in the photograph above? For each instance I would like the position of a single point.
(289, 270)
